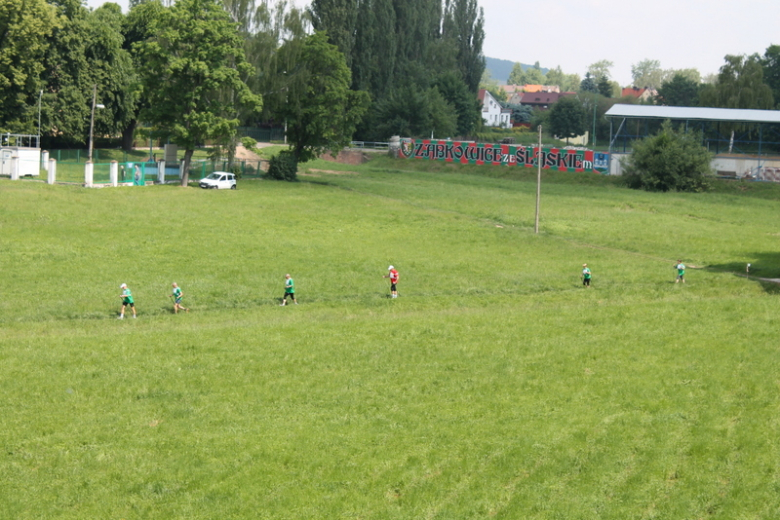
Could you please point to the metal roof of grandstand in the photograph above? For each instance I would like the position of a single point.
(736, 115)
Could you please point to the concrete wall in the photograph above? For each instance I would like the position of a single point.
(740, 167)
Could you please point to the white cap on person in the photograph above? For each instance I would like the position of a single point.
(390, 268)
(123, 286)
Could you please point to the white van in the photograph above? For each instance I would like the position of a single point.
(219, 181)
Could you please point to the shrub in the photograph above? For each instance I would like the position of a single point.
(248, 143)
(283, 167)
(671, 160)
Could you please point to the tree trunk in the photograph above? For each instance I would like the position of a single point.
(127, 135)
(185, 176)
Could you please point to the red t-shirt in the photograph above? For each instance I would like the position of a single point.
(393, 276)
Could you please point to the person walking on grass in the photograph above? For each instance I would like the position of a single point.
(289, 290)
(393, 275)
(680, 271)
(586, 275)
(127, 299)
(177, 296)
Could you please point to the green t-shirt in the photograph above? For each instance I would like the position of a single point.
(680, 269)
(289, 286)
(127, 296)
(177, 293)
(586, 273)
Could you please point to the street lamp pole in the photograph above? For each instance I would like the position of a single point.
(40, 95)
(92, 121)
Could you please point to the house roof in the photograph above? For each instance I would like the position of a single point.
(540, 98)
(632, 91)
(735, 115)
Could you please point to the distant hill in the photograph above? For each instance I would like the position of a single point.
(500, 69)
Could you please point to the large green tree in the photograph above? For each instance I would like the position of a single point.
(464, 27)
(84, 52)
(740, 84)
(770, 62)
(408, 48)
(568, 118)
(680, 91)
(138, 26)
(670, 160)
(194, 75)
(24, 28)
(601, 69)
(321, 111)
(649, 74)
(339, 18)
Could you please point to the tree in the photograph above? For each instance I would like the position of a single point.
(464, 28)
(24, 26)
(193, 76)
(605, 87)
(649, 74)
(566, 82)
(679, 92)
(740, 84)
(137, 27)
(461, 100)
(521, 113)
(339, 19)
(589, 84)
(601, 69)
(670, 160)
(567, 118)
(528, 76)
(691, 74)
(770, 64)
(321, 110)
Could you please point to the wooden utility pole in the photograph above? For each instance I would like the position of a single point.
(538, 180)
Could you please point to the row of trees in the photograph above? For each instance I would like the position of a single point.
(192, 71)
(420, 61)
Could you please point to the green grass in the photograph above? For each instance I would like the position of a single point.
(495, 386)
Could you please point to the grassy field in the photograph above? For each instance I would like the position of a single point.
(495, 386)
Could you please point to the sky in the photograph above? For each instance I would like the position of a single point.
(680, 34)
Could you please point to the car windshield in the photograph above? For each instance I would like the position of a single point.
(214, 176)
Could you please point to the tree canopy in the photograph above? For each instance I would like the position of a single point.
(321, 111)
(25, 26)
(680, 91)
(528, 76)
(193, 75)
(740, 84)
(567, 118)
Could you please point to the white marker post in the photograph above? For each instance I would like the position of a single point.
(52, 170)
(113, 173)
(15, 168)
(89, 173)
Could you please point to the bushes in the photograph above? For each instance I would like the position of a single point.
(671, 160)
(283, 167)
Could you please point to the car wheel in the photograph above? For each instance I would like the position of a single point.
(233, 187)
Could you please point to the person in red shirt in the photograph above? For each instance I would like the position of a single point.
(393, 275)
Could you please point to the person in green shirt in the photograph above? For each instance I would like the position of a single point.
(680, 271)
(586, 275)
(177, 296)
(289, 290)
(127, 299)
